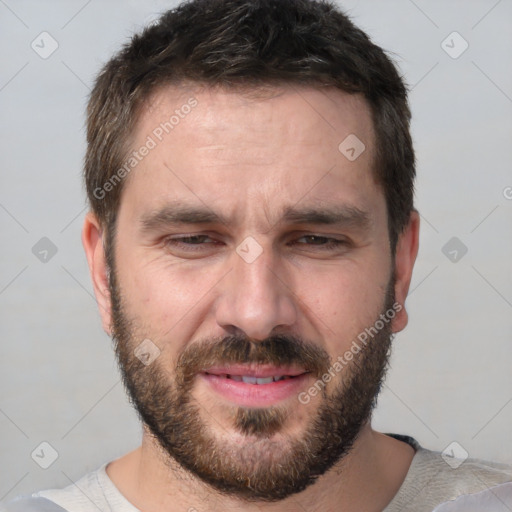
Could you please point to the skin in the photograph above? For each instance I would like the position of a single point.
(248, 159)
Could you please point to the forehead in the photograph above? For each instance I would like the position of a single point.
(300, 114)
(227, 147)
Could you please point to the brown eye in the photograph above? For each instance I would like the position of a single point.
(189, 240)
(322, 241)
(190, 244)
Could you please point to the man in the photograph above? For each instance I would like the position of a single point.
(251, 242)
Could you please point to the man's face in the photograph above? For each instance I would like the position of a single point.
(248, 246)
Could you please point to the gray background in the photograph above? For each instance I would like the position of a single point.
(451, 376)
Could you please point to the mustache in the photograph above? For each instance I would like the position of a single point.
(278, 350)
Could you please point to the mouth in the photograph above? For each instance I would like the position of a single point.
(255, 386)
(249, 379)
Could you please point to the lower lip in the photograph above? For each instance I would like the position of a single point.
(255, 395)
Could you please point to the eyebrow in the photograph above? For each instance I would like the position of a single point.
(177, 214)
(343, 215)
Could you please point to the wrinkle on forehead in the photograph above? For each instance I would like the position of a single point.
(252, 153)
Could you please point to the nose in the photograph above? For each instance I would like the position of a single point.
(255, 297)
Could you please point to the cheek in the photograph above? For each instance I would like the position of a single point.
(344, 301)
(161, 295)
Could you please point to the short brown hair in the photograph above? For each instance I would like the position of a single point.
(250, 44)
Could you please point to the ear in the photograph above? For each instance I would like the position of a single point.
(92, 240)
(405, 256)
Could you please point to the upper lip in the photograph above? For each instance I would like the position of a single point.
(260, 371)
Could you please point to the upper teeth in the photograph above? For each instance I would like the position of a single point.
(257, 380)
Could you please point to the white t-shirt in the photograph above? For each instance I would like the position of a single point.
(433, 484)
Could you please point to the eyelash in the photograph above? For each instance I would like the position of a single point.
(179, 242)
(331, 244)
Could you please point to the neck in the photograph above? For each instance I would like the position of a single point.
(365, 479)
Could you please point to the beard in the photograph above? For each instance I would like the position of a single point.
(270, 464)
